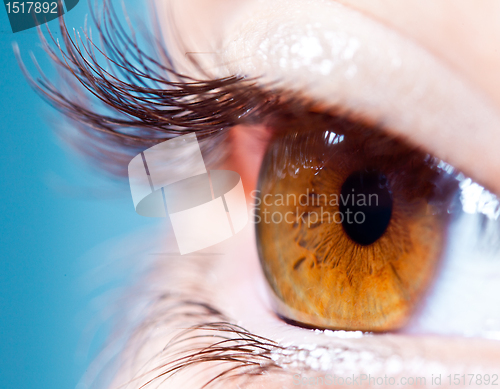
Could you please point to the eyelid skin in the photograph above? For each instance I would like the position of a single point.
(340, 58)
(451, 33)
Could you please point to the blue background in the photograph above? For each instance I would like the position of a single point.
(53, 211)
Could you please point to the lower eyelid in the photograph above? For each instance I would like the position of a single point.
(337, 351)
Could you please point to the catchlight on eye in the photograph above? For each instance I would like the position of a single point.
(351, 225)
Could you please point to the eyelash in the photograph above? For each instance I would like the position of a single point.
(142, 104)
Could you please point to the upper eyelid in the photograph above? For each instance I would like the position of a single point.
(394, 82)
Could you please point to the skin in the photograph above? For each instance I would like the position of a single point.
(460, 42)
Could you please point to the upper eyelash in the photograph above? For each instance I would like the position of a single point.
(141, 101)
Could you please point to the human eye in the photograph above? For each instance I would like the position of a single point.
(299, 258)
(324, 100)
(350, 226)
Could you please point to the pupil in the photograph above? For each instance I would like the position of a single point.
(366, 204)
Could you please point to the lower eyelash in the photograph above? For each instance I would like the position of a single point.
(202, 339)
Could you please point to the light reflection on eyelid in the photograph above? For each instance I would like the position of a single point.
(351, 354)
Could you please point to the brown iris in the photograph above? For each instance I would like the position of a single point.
(350, 226)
